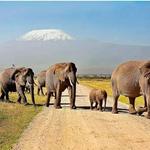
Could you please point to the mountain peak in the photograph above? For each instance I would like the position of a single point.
(46, 35)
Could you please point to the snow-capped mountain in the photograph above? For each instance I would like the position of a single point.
(46, 35)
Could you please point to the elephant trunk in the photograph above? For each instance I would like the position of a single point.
(32, 93)
(73, 96)
(73, 81)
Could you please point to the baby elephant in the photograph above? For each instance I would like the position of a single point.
(98, 96)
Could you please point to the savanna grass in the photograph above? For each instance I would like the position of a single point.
(14, 118)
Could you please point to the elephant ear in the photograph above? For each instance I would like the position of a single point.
(16, 72)
(145, 70)
(27, 71)
(67, 68)
(71, 67)
(59, 71)
(62, 74)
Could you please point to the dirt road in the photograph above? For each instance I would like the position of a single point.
(83, 129)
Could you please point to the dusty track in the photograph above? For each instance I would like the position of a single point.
(83, 129)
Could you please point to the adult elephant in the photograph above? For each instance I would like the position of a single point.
(12, 80)
(41, 77)
(132, 79)
(59, 77)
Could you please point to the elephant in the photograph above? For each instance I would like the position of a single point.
(97, 96)
(59, 77)
(132, 79)
(15, 79)
(41, 77)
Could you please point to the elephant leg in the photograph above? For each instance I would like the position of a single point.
(41, 90)
(70, 97)
(7, 98)
(38, 90)
(21, 94)
(105, 99)
(2, 96)
(132, 105)
(19, 99)
(148, 112)
(141, 110)
(48, 98)
(145, 101)
(58, 100)
(54, 95)
(100, 102)
(23, 97)
(114, 108)
(72, 101)
(148, 106)
(91, 105)
(96, 105)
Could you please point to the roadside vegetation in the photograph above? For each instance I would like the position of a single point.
(100, 83)
(14, 118)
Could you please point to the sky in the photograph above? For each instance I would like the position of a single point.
(114, 22)
(106, 34)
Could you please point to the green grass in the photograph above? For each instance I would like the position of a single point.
(14, 118)
(106, 84)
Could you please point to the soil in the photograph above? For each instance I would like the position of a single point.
(85, 129)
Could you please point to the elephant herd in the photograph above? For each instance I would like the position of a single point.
(130, 79)
(56, 78)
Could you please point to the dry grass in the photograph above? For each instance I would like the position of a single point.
(14, 118)
(106, 84)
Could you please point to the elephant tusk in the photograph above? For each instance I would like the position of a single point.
(70, 82)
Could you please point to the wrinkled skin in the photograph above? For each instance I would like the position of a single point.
(131, 79)
(58, 78)
(98, 96)
(41, 77)
(12, 80)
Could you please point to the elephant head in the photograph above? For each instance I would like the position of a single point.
(22, 76)
(66, 71)
(145, 75)
(70, 73)
(145, 86)
(145, 69)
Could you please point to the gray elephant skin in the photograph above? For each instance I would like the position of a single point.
(41, 78)
(59, 77)
(15, 79)
(132, 79)
(98, 96)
